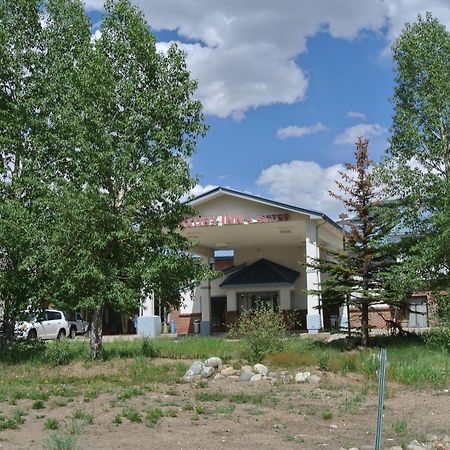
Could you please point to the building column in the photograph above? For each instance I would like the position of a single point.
(314, 315)
(205, 305)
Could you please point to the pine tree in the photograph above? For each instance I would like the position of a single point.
(357, 274)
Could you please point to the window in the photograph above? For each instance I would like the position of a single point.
(53, 315)
(252, 300)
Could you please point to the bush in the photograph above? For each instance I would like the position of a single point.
(148, 348)
(59, 353)
(438, 337)
(261, 330)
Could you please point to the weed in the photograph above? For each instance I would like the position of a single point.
(201, 384)
(399, 426)
(38, 404)
(171, 391)
(188, 407)
(129, 393)
(200, 410)
(255, 412)
(327, 415)
(132, 415)
(13, 422)
(57, 441)
(209, 396)
(242, 397)
(148, 349)
(224, 409)
(153, 415)
(51, 424)
(171, 413)
(117, 420)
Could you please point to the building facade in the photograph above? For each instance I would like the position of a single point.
(261, 247)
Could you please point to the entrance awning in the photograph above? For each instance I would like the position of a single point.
(261, 272)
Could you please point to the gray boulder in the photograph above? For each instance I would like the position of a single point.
(301, 377)
(194, 370)
(207, 372)
(214, 362)
(245, 376)
(256, 377)
(313, 379)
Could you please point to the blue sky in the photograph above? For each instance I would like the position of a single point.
(287, 86)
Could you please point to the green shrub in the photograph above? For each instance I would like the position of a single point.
(438, 337)
(58, 441)
(148, 348)
(59, 352)
(261, 330)
(51, 424)
(153, 415)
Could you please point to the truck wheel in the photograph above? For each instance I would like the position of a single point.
(73, 333)
(61, 334)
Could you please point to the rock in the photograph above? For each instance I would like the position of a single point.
(246, 369)
(285, 377)
(194, 370)
(245, 376)
(353, 448)
(313, 379)
(396, 447)
(414, 445)
(333, 426)
(234, 377)
(256, 377)
(440, 446)
(214, 362)
(228, 371)
(301, 377)
(219, 376)
(261, 369)
(207, 372)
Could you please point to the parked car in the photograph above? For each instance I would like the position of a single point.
(76, 324)
(52, 324)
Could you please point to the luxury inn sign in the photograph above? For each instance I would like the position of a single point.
(231, 219)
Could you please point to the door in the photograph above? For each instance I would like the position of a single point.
(418, 317)
(53, 324)
(218, 313)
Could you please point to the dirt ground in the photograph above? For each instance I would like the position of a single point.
(340, 412)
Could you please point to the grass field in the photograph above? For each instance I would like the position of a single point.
(60, 396)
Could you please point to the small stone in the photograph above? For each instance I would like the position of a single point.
(234, 377)
(219, 376)
(415, 445)
(260, 368)
(245, 376)
(256, 377)
(207, 372)
(285, 377)
(333, 426)
(246, 369)
(301, 377)
(313, 379)
(228, 371)
(214, 362)
(396, 447)
(353, 448)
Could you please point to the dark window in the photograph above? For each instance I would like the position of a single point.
(253, 300)
(53, 315)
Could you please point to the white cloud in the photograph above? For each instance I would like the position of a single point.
(199, 189)
(356, 115)
(304, 184)
(243, 52)
(367, 130)
(296, 131)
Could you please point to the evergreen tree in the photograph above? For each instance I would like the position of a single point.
(357, 274)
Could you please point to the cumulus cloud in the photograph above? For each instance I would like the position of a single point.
(356, 115)
(367, 130)
(199, 189)
(304, 184)
(296, 131)
(243, 53)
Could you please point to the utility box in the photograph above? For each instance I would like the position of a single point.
(196, 326)
(149, 326)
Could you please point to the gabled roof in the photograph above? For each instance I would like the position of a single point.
(261, 272)
(221, 190)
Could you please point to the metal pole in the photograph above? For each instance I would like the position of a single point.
(381, 375)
